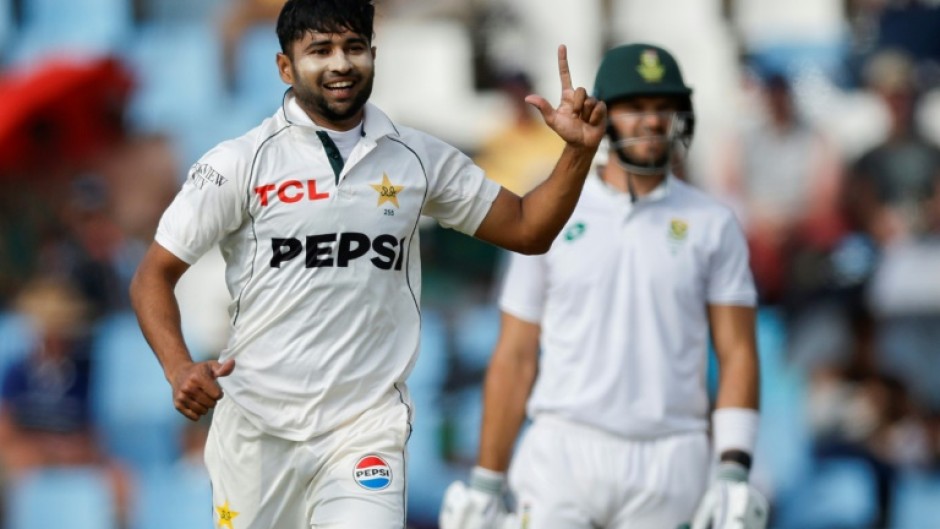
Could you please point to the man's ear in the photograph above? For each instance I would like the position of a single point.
(284, 68)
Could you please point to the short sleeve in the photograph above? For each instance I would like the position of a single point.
(729, 280)
(459, 194)
(524, 287)
(210, 205)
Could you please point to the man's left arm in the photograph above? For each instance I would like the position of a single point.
(731, 502)
(733, 330)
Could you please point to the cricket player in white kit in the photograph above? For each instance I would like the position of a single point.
(316, 212)
(621, 308)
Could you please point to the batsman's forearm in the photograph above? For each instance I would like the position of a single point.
(505, 392)
(158, 313)
(546, 209)
(739, 382)
(734, 334)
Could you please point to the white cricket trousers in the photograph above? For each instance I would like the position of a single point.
(571, 476)
(350, 478)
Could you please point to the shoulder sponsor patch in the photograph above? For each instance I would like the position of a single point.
(202, 174)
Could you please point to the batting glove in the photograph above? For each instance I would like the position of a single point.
(479, 506)
(731, 502)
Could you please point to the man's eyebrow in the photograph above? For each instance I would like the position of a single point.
(358, 39)
(319, 42)
(327, 41)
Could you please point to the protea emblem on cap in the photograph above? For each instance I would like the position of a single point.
(650, 68)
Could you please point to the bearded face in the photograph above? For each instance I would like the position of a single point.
(331, 75)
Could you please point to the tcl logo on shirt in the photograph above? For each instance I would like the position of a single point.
(289, 192)
(339, 249)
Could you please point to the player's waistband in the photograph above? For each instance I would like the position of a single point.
(559, 422)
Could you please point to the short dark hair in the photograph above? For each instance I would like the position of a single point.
(299, 17)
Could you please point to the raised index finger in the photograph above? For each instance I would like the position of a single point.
(563, 70)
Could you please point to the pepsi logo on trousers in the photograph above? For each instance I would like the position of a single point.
(372, 473)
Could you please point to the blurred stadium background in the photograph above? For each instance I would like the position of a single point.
(817, 122)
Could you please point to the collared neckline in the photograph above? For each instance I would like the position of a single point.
(375, 123)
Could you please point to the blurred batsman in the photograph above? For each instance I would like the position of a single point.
(621, 309)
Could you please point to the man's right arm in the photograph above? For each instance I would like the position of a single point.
(509, 381)
(195, 389)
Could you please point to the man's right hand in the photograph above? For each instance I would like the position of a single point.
(195, 386)
(479, 506)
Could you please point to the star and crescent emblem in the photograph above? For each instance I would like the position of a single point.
(388, 192)
(226, 515)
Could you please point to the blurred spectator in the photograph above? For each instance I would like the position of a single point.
(857, 413)
(897, 202)
(45, 417)
(782, 175)
(88, 247)
(521, 154)
(893, 187)
(906, 25)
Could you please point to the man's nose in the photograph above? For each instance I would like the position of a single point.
(339, 62)
(655, 121)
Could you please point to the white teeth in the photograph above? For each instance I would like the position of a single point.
(344, 84)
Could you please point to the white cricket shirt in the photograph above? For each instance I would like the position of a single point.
(621, 299)
(323, 270)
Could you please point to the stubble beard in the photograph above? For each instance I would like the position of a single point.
(318, 104)
(645, 161)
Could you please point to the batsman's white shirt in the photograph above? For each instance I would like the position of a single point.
(621, 299)
(323, 270)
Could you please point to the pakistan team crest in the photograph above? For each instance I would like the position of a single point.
(388, 192)
(226, 515)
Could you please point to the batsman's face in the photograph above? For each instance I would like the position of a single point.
(332, 75)
(644, 127)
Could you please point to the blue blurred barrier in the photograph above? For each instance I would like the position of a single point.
(174, 11)
(430, 370)
(131, 399)
(6, 27)
(77, 498)
(476, 330)
(258, 84)
(178, 497)
(916, 501)
(428, 472)
(840, 493)
(179, 69)
(76, 27)
(782, 455)
(16, 336)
